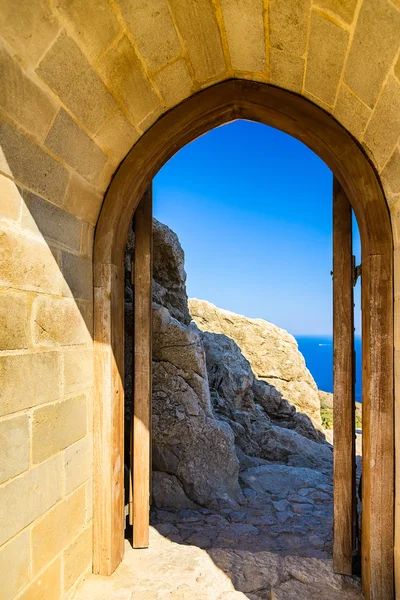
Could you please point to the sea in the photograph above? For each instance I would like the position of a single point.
(318, 354)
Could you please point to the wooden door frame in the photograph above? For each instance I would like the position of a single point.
(221, 103)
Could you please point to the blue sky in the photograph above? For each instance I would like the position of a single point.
(252, 208)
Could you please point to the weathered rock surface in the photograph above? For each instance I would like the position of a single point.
(278, 479)
(169, 276)
(235, 391)
(271, 351)
(169, 287)
(167, 491)
(188, 441)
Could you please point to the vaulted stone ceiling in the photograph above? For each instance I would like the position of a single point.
(83, 80)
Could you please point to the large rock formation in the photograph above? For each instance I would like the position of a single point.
(214, 412)
(188, 441)
(271, 351)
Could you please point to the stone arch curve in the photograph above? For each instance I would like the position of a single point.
(298, 117)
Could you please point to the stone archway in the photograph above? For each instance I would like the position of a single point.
(296, 116)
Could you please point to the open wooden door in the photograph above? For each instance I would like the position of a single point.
(140, 467)
(344, 512)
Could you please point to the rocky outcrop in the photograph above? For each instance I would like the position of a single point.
(169, 276)
(271, 351)
(193, 452)
(234, 388)
(213, 414)
(188, 441)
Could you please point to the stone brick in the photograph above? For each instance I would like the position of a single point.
(373, 49)
(344, 9)
(31, 165)
(10, 199)
(58, 322)
(82, 200)
(174, 82)
(197, 21)
(288, 22)
(78, 463)
(125, 76)
(397, 69)
(14, 323)
(14, 566)
(317, 101)
(351, 112)
(46, 586)
(44, 380)
(391, 198)
(86, 309)
(51, 222)
(326, 53)
(244, 26)
(150, 119)
(29, 27)
(383, 130)
(90, 407)
(56, 426)
(89, 500)
(27, 263)
(153, 30)
(94, 23)
(57, 529)
(77, 271)
(74, 146)
(286, 70)
(117, 135)
(394, 205)
(78, 370)
(25, 498)
(77, 558)
(66, 70)
(87, 240)
(106, 176)
(391, 173)
(23, 100)
(14, 447)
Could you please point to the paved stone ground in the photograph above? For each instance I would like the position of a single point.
(276, 546)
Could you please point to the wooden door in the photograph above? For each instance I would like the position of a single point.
(344, 512)
(140, 467)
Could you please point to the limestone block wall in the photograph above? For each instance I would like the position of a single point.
(81, 82)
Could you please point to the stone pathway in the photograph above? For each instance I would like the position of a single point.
(276, 546)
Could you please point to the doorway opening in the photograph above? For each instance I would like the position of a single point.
(241, 460)
(296, 116)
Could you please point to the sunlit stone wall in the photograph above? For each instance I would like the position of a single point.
(80, 82)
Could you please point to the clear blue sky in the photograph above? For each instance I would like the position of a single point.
(252, 208)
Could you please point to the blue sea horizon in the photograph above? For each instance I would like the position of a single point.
(318, 354)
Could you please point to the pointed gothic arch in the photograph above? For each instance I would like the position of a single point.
(295, 115)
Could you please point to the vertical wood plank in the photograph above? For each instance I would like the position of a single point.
(108, 500)
(378, 431)
(343, 383)
(141, 438)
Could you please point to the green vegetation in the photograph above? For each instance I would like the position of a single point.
(326, 400)
(327, 418)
